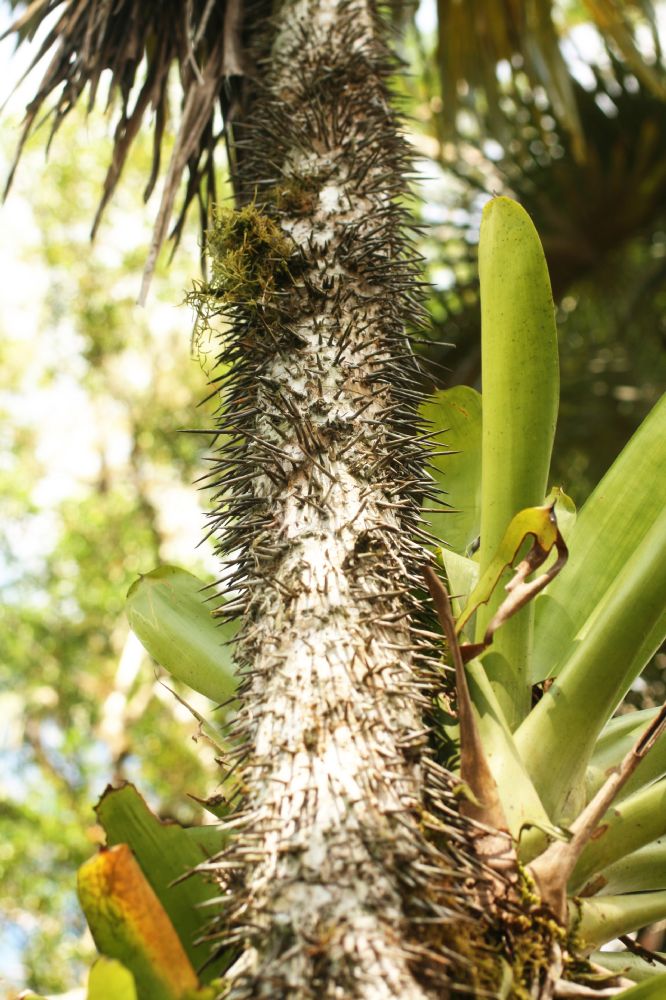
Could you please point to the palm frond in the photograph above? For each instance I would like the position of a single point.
(477, 35)
(616, 21)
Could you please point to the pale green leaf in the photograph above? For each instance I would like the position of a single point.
(457, 413)
(558, 737)
(616, 741)
(626, 827)
(641, 871)
(108, 979)
(601, 920)
(520, 383)
(651, 989)
(625, 963)
(462, 574)
(618, 736)
(525, 814)
(609, 528)
(168, 610)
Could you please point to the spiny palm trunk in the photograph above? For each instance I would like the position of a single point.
(331, 880)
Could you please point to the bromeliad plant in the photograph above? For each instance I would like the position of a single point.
(580, 792)
(566, 800)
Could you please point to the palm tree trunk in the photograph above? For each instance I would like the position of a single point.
(330, 877)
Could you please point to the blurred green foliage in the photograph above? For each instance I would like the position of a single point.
(94, 489)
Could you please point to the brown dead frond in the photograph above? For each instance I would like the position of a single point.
(137, 46)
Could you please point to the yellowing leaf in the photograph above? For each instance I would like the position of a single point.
(129, 923)
(165, 852)
(540, 524)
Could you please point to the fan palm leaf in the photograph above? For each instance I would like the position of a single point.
(473, 37)
(586, 211)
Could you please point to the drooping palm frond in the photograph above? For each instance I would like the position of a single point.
(127, 51)
(476, 35)
(138, 47)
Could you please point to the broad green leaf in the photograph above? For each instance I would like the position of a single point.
(619, 733)
(165, 851)
(520, 383)
(631, 966)
(129, 923)
(641, 871)
(536, 523)
(556, 869)
(650, 989)
(462, 574)
(457, 413)
(108, 979)
(602, 920)
(558, 737)
(627, 826)
(168, 611)
(617, 741)
(609, 528)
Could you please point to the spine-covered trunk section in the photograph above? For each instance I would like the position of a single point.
(333, 887)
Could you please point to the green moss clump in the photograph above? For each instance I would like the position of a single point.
(507, 952)
(510, 954)
(480, 971)
(532, 951)
(248, 254)
(531, 934)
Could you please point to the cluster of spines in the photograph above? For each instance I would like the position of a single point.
(366, 265)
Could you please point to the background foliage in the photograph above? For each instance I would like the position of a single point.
(95, 478)
(94, 489)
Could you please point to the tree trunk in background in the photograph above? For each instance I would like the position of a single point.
(331, 881)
